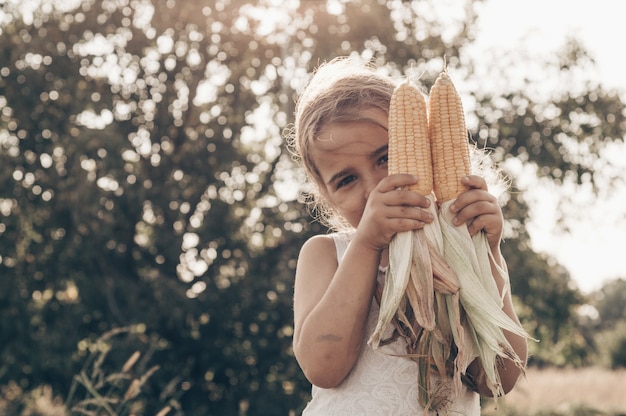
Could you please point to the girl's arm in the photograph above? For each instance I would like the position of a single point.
(481, 211)
(331, 301)
(331, 305)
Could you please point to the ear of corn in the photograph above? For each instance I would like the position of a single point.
(440, 274)
(409, 141)
(428, 276)
(468, 257)
(409, 152)
(409, 280)
(448, 137)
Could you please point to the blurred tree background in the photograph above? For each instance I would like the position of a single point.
(147, 199)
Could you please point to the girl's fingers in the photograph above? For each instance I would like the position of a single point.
(473, 210)
(414, 213)
(478, 224)
(393, 190)
(408, 224)
(405, 198)
(478, 209)
(474, 182)
(470, 197)
(396, 181)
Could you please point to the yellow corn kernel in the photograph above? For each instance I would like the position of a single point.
(448, 136)
(409, 152)
(409, 144)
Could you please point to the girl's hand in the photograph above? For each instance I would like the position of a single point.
(479, 210)
(390, 209)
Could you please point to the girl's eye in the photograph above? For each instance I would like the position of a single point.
(384, 159)
(345, 181)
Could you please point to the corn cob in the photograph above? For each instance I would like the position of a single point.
(448, 137)
(409, 152)
(409, 280)
(482, 333)
(409, 143)
(461, 296)
(410, 294)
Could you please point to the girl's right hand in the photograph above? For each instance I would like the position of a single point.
(390, 209)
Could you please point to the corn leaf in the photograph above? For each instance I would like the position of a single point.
(396, 280)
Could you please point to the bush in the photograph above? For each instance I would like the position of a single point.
(618, 352)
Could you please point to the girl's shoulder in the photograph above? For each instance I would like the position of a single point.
(317, 246)
(317, 264)
(324, 247)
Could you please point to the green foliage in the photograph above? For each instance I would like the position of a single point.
(163, 216)
(618, 353)
(610, 301)
(609, 330)
(612, 346)
(144, 183)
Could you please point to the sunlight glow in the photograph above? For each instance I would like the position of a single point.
(91, 120)
(591, 243)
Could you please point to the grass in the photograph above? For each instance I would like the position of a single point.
(565, 392)
(547, 392)
(100, 388)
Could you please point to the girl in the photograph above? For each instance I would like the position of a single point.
(341, 139)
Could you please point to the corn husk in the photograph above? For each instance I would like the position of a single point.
(471, 259)
(396, 281)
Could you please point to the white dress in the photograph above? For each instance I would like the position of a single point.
(381, 383)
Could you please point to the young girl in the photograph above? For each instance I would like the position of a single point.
(341, 139)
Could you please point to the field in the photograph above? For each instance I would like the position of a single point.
(547, 392)
(565, 392)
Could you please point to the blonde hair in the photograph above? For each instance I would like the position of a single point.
(338, 91)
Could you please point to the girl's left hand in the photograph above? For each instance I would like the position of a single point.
(479, 210)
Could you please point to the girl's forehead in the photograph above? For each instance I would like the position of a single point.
(350, 134)
(366, 115)
(363, 120)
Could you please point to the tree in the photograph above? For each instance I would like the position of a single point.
(132, 197)
(607, 324)
(609, 302)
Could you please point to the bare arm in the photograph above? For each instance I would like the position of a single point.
(331, 301)
(331, 306)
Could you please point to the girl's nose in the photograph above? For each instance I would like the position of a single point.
(369, 187)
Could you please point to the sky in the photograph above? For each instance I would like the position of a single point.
(593, 250)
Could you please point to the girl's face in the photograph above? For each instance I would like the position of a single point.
(351, 158)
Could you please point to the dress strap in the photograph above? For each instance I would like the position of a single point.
(341, 239)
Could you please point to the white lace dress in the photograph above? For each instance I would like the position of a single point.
(381, 383)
